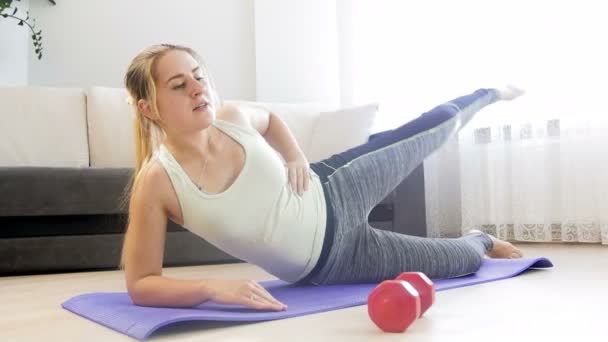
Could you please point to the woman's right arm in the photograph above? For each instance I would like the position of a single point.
(143, 259)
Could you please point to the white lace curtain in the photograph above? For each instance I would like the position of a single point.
(544, 180)
(532, 170)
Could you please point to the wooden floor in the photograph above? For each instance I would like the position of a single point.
(569, 301)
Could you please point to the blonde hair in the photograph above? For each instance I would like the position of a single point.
(140, 83)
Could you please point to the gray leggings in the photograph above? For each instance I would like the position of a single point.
(357, 179)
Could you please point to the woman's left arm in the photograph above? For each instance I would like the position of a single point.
(278, 135)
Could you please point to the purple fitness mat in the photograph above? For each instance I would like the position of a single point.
(116, 311)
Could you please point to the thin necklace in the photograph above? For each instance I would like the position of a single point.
(198, 183)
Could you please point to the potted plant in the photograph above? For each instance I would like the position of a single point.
(10, 12)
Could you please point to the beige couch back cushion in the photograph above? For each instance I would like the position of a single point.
(43, 127)
(300, 118)
(339, 130)
(320, 133)
(110, 124)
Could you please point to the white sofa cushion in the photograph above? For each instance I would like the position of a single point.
(300, 118)
(110, 123)
(338, 130)
(320, 133)
(43, 126)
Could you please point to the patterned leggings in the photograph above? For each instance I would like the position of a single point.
(355, 180)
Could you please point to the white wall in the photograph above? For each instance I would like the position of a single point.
(297, 51)
(14, 48)
(90, 42)
(266, 50)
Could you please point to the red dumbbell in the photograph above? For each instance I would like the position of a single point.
(395, 304)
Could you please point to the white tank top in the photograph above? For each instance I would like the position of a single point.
(259, 218)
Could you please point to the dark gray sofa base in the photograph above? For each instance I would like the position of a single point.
(68, 243)
(53, 254)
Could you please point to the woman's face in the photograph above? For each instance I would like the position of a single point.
(183, 93)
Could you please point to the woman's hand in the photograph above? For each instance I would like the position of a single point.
(244, 292)
(298, 174)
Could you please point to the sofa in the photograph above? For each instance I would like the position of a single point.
(66, 157)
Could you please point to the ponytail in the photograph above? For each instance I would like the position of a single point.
(143, 142)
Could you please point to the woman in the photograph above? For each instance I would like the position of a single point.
(214, 170)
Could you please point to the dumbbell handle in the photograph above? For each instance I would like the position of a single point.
(423, 285)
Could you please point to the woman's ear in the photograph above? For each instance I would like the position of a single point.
(144, 107)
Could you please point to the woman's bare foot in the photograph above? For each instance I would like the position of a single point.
(502, 249)
(510, 92)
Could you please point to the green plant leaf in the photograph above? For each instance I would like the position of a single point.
(31, 23)
(5, 3)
